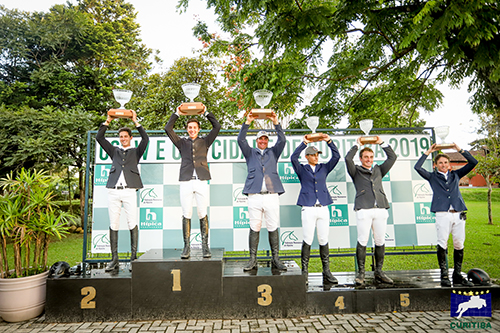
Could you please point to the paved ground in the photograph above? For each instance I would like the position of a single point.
(431, 321)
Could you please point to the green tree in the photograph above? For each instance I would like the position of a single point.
(158, 96)
(71, 56)
(386, 56)
(489, 163)
(45, 139)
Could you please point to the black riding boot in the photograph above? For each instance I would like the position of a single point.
(324, 253)
(186, 232)
(441, 255)
(253, 243)
(113, 239)
(360, 259)
(458, 279)
(275, 249)
(305, 253)
(204, 237)
(134, 238)
(379, 262)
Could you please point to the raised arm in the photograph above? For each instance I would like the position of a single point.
(295, 158)
(209, 139)
(351, 167)
(471, 162)
(418, 167)
(335, 154)
(242, 140)
(105, 144)
(169, 129)
(390, 160)
(144, 141)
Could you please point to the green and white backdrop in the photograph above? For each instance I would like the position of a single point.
(410, 220)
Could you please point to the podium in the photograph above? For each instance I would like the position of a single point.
(163, 286)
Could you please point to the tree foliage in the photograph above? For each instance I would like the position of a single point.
(71, 56)
(377, 59)
(489, 163)
(158, 96)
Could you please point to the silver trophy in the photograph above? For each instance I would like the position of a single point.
(312, 123)
(366, 126)
(442, 132)
(191, 90)
(262, 98)
(122, 96)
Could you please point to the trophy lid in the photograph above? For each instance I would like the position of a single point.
(262, 97)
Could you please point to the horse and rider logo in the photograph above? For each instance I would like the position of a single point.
(467, 304)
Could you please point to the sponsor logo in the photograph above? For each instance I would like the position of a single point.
(470, 304)
(151, 218)
(338, 215)
(239, 197)
(149, 197)
(336, 193)
(422, 191)
(101, 174)
(289, 239)
(388, 238)
(195, 240)
(423, 212)
(100, 243)
(240, 217)
(287, 174)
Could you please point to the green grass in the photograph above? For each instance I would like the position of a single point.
(68, 249)
(479, 194)
(482, 244)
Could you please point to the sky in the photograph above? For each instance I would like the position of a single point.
(163, 28)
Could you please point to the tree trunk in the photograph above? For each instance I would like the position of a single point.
(4, 251)
(1, 264)
(17, 257)
(69, 193)
(81, 184)
(38, 249)
(490, 217)
(46, 251)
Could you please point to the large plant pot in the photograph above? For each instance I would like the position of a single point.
(22, 298)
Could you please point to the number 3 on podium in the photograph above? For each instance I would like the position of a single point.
(266, 298)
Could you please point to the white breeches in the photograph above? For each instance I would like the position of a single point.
(264, 207)
(376, 219)
(189, 190)
(315, 218)
(126, 197)
(447, 222)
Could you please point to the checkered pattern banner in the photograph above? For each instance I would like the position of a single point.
(160, 216)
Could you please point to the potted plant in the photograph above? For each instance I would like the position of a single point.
(28, 220)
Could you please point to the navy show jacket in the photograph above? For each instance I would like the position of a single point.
(446, 191)
(313, 184)
(262, 166)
